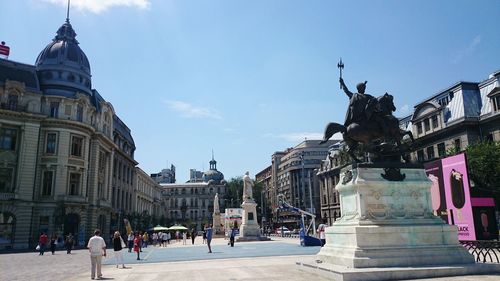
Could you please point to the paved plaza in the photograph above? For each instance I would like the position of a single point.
(271, 260)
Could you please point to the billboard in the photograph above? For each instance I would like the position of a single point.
(438, 197)
(450, 194)
(456, 186)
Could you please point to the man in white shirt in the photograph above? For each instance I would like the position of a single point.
(97, 249)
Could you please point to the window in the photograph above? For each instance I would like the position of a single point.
(6, 180)
(457, 145)
(74, 183)
(435, 121)
(47, 182)
(496, 102)
(67, 110)
(8, 139)
(419, 128)
(54, 109)
(420, 155)
(79, 113)
(430, 152)
(12, 102)
(76, 146)
(427, 125)
(441, 149)
(51, 143)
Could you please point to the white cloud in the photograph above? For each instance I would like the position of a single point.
(301, 136)
(188, 110)
(98, 6)
(470, 48)
(405, 109)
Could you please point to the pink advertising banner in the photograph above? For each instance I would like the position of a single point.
(458, 201)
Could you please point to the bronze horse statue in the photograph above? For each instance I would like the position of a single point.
(382, 127)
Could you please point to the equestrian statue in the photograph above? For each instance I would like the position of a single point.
(369, 121)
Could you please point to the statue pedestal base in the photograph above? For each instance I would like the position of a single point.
(216, 223)
(249, 228)
(387, 222)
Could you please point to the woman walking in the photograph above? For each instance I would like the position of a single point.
(137, 241)
(118, 245)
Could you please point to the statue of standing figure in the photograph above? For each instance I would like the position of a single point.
(247, 188)
(216, 203)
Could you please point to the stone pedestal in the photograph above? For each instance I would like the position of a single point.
(387, 221)
(216, 222)
(249, 228)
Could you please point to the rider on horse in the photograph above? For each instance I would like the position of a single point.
(363, 107)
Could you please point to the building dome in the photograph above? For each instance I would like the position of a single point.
(62, 66)
(213, 176)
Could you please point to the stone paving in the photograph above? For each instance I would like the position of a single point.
(274, 260)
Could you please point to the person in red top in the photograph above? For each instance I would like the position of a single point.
(137, 240)
(42, 242)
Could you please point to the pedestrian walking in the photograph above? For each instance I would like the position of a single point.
(204, 236)
(177, 236)
(42, 243)
(208, 229)
(321, 232)
(118, 245)
(97, 249)
(137, 243)
(193, 235)
(130, 241)
(145, 239)
(69, 243)
(232, 235)
(184, 237)
(53, 243)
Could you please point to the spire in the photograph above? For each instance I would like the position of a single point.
(67, 13)
(213, 163)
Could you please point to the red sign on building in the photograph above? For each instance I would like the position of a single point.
(4, 49)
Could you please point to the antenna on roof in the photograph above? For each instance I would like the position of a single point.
(212, 154)
(67, 13)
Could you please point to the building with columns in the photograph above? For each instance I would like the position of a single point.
(192, 203)
(57, 148)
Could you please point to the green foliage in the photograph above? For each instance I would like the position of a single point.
(483, 159)
(235, 192)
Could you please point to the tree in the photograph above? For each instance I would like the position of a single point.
(234, 192)
(483, 159)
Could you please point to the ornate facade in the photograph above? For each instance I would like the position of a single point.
(462, 114)
(61, 145)
(193, 202)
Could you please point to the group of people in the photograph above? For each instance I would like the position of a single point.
(43, 242)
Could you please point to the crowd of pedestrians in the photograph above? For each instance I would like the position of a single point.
(133, 241)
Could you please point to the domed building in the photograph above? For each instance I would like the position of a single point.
(67, 160)
(192, 203)
(212, 176)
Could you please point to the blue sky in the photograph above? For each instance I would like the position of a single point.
(248, 78)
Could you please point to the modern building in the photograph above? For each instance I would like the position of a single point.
(455, 117)
(292, 173)
(165, 176)
(264, 177)
(193, 202)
